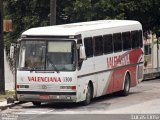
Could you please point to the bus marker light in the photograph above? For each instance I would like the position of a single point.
(68, 98)
(68, 87)
(71, 36)
(17, 86)
(57, 97)
(73, 87)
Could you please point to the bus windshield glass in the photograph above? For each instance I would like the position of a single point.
(47, 55)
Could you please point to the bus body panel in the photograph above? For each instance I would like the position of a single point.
(108, 71)
(53, 84)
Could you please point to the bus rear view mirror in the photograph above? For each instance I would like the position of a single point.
(82, 52)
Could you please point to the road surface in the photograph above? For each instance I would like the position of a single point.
(143, 99)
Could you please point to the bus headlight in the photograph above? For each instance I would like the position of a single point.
(22, 86)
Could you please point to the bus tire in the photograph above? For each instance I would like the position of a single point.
(87, 101)
(36, 103)
(126, 88)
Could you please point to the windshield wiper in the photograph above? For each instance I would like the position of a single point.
(53, 65)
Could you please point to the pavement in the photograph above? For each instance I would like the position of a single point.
(4, 105)
(9, 82)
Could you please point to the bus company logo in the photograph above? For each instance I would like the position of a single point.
(44, 87)
(44, 79)
(117, 61)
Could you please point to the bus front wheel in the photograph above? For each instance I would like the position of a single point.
(87, 101)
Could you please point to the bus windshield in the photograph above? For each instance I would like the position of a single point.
(47, 55)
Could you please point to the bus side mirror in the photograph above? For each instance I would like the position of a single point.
(12, 49)
(82, 52)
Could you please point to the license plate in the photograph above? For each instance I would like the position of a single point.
(44, 97)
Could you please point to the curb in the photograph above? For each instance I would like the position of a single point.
(4, 105)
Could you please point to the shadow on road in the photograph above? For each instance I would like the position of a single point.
(100, 101)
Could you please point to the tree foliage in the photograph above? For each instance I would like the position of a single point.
(26, 14)
(145, 11)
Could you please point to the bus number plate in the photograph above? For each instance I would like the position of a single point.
(44, 97)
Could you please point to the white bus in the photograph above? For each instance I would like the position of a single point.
(79, 61)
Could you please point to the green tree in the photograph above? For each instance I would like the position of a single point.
(26, 14)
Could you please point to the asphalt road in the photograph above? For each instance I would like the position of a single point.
(143, 99)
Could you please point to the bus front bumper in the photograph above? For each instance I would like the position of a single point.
(31, 96)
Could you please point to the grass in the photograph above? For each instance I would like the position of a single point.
(6, 95)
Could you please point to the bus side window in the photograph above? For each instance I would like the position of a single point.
(140, 38)
(88, 46)
(98, 45)
(126, 41)
(135, 39)
(117, 42)
(107, 44)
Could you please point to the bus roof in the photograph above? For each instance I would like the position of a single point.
(77, 28)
